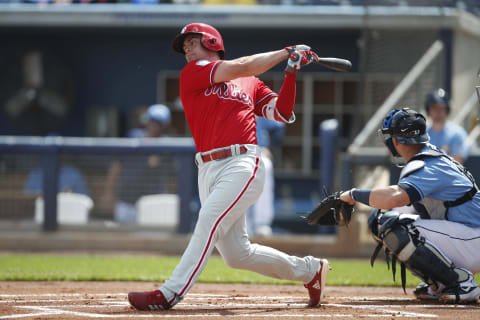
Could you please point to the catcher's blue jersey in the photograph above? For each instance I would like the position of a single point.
(440, 180)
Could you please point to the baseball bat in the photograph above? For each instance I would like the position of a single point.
(335, 63)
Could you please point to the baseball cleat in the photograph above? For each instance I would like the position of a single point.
(460, 294)
(316, 287)
(148, 300)
(424, 292)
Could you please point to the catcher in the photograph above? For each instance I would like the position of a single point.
(439, 241)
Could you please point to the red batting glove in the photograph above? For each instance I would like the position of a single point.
(299, 58)
(291, 49)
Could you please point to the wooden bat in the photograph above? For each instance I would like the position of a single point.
(335, 63)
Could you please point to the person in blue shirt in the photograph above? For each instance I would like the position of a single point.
(155, 122)
(443, 133)
(134, 176)
(440, 240)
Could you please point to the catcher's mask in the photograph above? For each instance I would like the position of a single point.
(211, 38)
(407, 126)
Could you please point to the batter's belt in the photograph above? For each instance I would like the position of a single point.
(222, 153)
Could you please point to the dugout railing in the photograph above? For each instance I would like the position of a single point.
(18, 155)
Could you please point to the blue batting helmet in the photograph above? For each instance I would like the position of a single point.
(439, 97)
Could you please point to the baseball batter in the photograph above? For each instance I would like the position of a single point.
(439, 242)
(220, 100)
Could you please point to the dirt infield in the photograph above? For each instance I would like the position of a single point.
(85, 300)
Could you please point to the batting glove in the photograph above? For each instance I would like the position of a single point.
(291, 49)
(299, 58)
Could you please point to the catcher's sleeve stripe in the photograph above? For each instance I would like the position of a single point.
(412, 192)
(361, 195)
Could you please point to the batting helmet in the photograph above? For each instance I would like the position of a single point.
(211, 38)
(438, 96)
(407, 126)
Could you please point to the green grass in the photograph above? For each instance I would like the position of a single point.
(151, 268)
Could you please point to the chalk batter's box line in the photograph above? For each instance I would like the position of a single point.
(122, 304)
(201, 297)
(50, 310)
(61, 311)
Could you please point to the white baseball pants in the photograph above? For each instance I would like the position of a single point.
(227, 188)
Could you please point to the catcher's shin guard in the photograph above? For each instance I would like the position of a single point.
(418, 255)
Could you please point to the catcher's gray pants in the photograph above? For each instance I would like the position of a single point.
(227, 189)
(458, 242)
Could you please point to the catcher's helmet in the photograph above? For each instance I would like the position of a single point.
(407, 126)
(211, 38)
(438, 96)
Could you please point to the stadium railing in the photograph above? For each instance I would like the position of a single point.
(93, 156)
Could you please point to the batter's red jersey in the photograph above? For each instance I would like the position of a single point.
(221, 114)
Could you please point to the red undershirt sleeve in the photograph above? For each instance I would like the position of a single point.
(286, 97)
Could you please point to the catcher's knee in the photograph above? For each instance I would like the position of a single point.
(420, 256)
(423, 258)
(399, 241)
(391, 228)
(380, 222)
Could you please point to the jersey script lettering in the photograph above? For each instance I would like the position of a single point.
(229, 91)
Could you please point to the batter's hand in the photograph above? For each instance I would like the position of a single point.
(291, 49)
(300, 56)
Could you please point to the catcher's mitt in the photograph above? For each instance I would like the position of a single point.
(331, 211)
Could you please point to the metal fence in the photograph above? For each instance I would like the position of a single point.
(48, 179)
